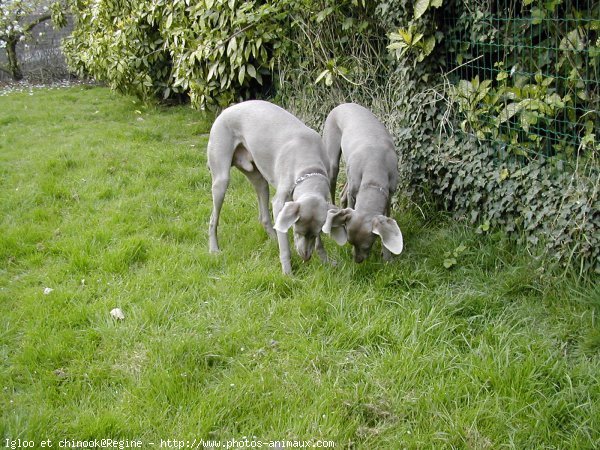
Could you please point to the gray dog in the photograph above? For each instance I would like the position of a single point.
(372, 177)
(272, 147)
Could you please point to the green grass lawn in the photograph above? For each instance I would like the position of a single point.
(106, 202)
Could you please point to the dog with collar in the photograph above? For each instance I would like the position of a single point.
(372, 178)
(270, 146)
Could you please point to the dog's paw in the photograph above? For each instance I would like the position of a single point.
(330, 262)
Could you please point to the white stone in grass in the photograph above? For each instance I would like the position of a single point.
(47, 290)
(117, 313)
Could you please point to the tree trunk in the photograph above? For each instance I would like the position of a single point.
(13, 62)
(11, 48)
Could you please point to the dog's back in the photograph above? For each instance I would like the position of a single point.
(255, 117)
(357, 127)
(367, 146)
(270, 134)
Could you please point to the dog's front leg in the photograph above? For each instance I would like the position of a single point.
(285, 255)
(386, 255)
(351, 195)
(322, 252)
(344, 196)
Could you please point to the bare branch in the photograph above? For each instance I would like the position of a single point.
(36, 22)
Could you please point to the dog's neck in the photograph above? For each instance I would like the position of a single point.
(371, 199)
(310, 182)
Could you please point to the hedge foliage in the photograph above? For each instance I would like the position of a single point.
(458, 139)
(214, 51)
(531, 73)
(211, 50)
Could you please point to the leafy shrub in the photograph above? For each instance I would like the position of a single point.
(215, 51)
(116, 42)
(531, 73)
(543, 205)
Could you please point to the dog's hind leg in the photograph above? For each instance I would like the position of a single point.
(262, 192)
(264, 216)
(219, 186)
(219, 152)
(332, 138)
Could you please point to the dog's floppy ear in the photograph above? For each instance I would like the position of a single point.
(288, 216)
(335, 224)
(390, 233)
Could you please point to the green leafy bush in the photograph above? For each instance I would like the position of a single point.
(117, 42)
(215, 51)
(550, 208)
(531, 73)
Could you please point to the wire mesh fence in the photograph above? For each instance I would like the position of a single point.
(526, 74)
